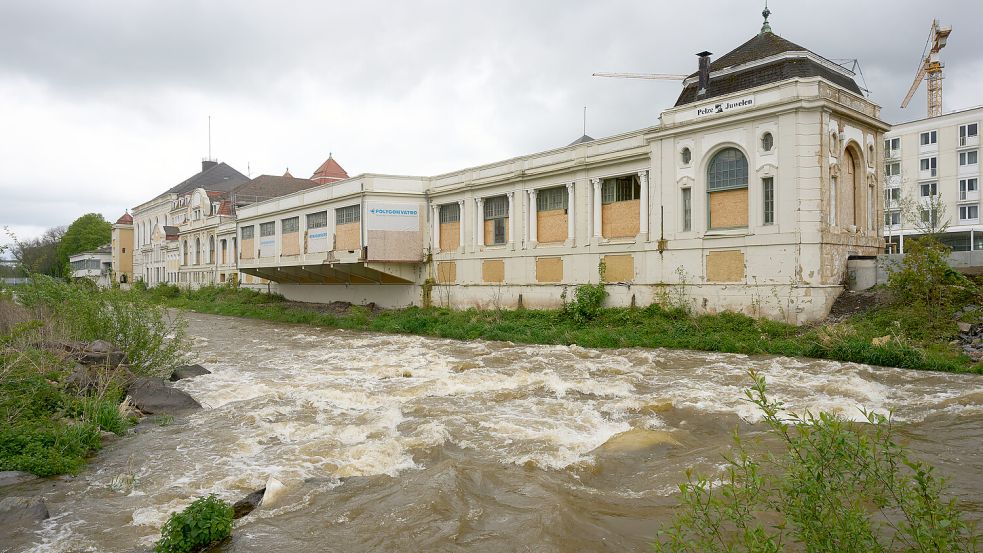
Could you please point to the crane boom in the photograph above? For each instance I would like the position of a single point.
(655, 76)
(930, 69)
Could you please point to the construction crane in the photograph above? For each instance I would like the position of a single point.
(930, 69)
(655, 76)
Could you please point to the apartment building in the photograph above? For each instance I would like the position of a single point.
(750, 194)
(932, 181)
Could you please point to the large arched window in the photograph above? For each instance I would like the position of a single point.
(727, 197)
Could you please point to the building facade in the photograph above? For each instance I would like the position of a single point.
(750, 195)
(122, 250)
(96, 265)
(932, 181)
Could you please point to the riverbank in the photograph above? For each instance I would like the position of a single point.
(881, 333)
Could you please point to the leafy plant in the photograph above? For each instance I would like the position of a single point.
(925, 279)
(838, 486)
(206, 521)
(587, 299)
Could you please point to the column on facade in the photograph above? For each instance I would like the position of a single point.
(479, 204)
(596, 208)
(533, 221)
(460, 223)
(571, 213)
(436, 228)
(643, 209)
(511, 197)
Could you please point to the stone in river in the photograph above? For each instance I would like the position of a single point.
(152, 396)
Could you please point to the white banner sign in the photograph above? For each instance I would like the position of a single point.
(726, 106)
(392, 216)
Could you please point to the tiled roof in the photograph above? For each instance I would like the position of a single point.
(329, 171)
(225, 208)
(219, 177)
(761, 46)
(265, 187)
(126, 219)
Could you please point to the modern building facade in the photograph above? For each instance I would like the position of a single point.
(96, 265)
(751, 194)
(932, 181)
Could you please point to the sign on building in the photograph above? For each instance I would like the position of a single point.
(394, 231)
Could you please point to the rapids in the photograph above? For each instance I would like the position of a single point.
(403, 443)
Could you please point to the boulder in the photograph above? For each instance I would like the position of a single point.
(247, 504)
(966, 328)
(188, 371)
(20, 512)
(153, 395)
(101, 352)
(11, 477)
(83, 379)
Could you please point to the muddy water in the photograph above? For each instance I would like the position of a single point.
(401, 443)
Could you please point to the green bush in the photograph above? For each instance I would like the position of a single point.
(587, 302)
(925, 279)
(206, 521)
(838, 486)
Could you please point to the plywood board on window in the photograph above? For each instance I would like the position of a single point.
(619, 268)
(394, 245)
(247, 250)
(446, 272)
(549, 269)
(490, 231)
(728, 208)
(450, 236)
(348, 236)
(493, 270)
(290, 243)
(551, 226)
(620, 219)
(725, 266)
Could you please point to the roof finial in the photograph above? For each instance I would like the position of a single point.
(765, 27)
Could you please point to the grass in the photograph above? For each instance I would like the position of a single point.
(912, 343)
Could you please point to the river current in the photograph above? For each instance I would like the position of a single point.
(402, 443)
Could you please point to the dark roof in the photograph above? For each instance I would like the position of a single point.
(219, 177)
(762, 46)
(265, 187)
(171, 233)
(581, 140)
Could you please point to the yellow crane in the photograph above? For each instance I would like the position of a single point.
(930, 69)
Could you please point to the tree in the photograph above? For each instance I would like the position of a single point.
(88, 232)
(928, 214)
(39, 255)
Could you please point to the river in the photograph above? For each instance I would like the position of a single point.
(402, 443)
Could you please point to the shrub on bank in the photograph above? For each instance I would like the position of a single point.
(206, 521)
(836, 486)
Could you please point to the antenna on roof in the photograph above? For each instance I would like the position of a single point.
(585, 120)
(765, 27)
(209, 138)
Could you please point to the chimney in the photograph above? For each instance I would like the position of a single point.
(207, 164)
(704, 73)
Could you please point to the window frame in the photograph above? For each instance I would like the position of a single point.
(554, 198)
(768, 200)
(964, 158)
(767, 142)
(444, 215)
(348, 215)
(931, 136)
(625, 188)
(687, 199)
(741, 170)
(295, 225)
(243, 233)
(267, 229)
(965, 209)
(933, 188)
(495, 207)
(889, 165)
(314, 220)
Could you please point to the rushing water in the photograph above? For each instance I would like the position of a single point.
(402, 443)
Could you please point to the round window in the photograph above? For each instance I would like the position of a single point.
(767, 142)
(687, 156)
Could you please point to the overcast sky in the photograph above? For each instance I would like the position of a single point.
(105, 104)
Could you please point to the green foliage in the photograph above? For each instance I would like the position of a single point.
(47, 448)
(206, 521)
(587, 299)
(925, 279)
(836, 487)
(86, 233)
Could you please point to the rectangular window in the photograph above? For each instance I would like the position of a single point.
(247, 233)
(552, 199)
(929, 137)
(929, 217)
(892, 218)
(620, 189)
(317, 220)
(929, 164)
(687, 209)
(892, 169)
(450, 213)
(496, 208)
(892, 196)
(967, 187)
(967, 132)
(346, 215)
(929, 189)
(290, 225)
(971, 157)
(969, 212)
(892, 144)
(267, 229)
(768, 195)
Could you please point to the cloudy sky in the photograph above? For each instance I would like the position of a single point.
(105, 104)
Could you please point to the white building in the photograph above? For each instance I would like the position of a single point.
(751, 194)
(933, 163)
(96, 265)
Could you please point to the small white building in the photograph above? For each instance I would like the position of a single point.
(96, 265)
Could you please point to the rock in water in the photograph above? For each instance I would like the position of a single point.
(17, 513)
(152, 396)
(188, 371)
(637, 439)
(274, 489)
(246, 505)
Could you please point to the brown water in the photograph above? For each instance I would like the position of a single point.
(401, 443)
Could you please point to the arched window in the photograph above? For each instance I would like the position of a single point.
(686, 156)
(767, 142)
(197, 251)
(727, 177)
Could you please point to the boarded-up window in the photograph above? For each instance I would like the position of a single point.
(247, 234)
(549, 269)
(290, 225)
(497, 207)
(493, 270)
(496, 220)
(621, 189)
(446, 272)
(317, 220)
(450, 213)
(725, 266)
(551, 199)
(619, 268)
(727, 189)
(267, 229)
(349, 214)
